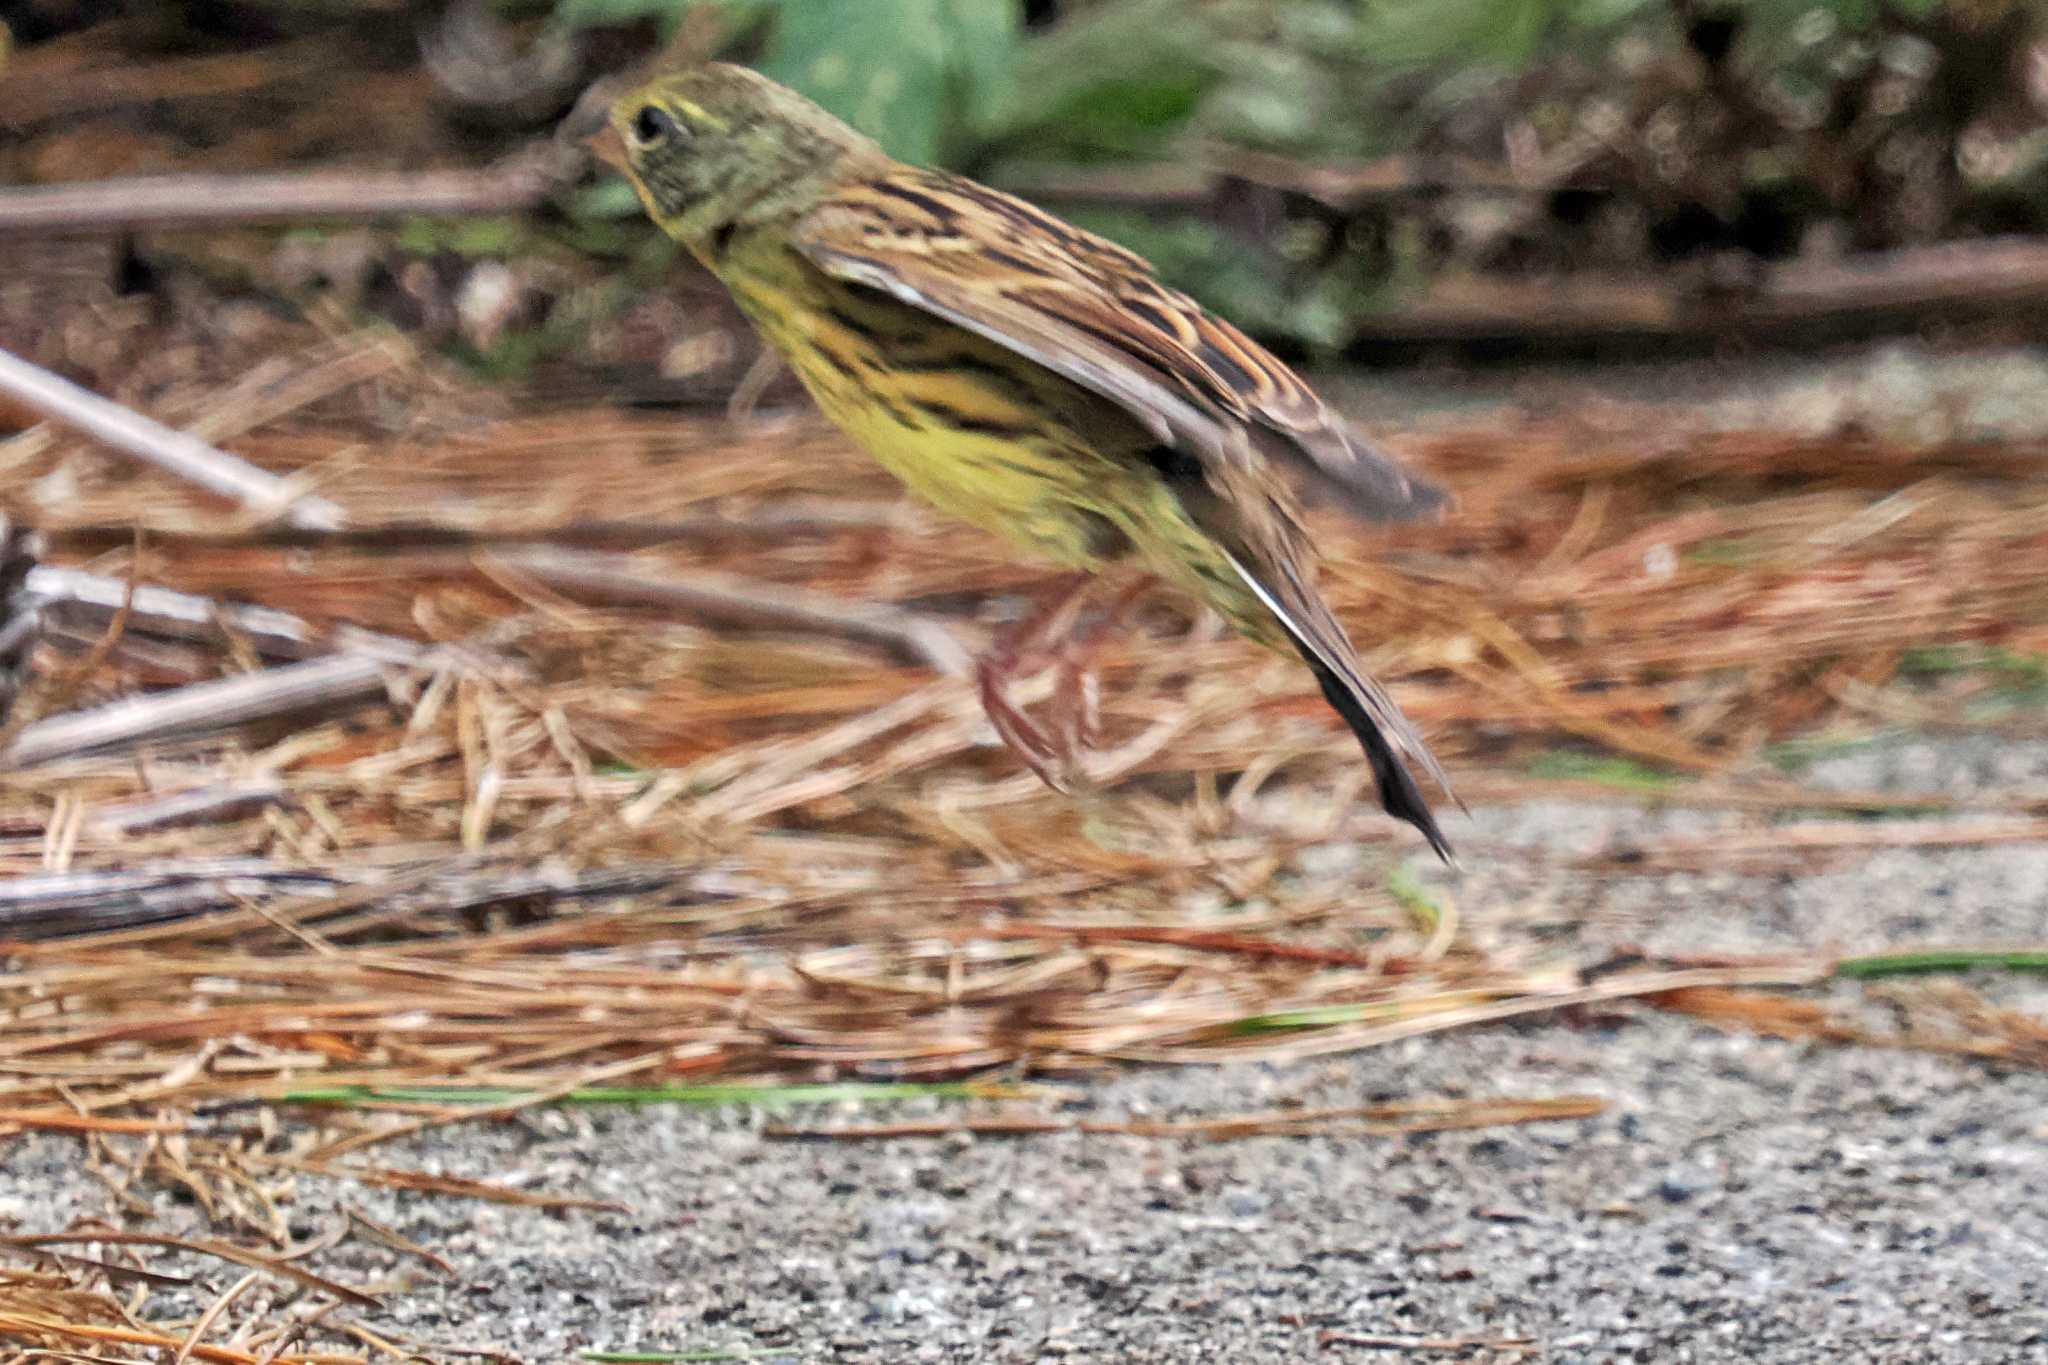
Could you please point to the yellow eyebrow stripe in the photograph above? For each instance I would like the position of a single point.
(697, 113)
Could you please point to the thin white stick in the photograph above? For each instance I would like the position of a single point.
(186, 201)
(199, 707)
(184, 455)
(192, 805)
(72, 593)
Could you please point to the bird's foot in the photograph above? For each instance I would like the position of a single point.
(1053, 753)
(1056, 750)
(1077, 696)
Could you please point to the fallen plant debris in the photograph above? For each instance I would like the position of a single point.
(21, 617)
(708, 831)
(604, 759)
(1515, 1347)
(1946, 1018)
(181, 453)
(1366, 1120)
(273, 1265)
(1794, 845)
(69, 1306)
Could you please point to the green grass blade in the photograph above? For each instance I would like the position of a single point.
(1944, 960)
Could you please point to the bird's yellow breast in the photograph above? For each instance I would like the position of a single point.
(971, 427)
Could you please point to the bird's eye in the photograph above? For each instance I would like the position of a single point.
(652, 126)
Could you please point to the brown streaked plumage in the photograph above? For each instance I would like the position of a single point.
(1029, 376)
(1088, 309)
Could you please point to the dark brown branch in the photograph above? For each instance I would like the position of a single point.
(735, 601)
(817, 517)
(1995, 278)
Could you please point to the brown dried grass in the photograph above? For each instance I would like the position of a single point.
(592, 844)
(836, 867)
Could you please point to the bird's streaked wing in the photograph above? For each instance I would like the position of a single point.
(1092, 312)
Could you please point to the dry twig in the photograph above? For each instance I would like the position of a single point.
(188, 457)
(196, 200)
(317, 684)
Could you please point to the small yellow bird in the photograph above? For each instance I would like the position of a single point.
(1022, 374)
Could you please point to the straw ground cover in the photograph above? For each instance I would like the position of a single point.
(619, 755)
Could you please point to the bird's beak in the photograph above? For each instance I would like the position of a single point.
(607, 146)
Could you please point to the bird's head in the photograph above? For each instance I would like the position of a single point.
(714, 146)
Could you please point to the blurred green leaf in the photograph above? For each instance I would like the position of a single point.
(1493, 31)
(912, 74)
(1112, 83)
(473, 237)
(1116, 120)
(987, 36)
(1277, 99)
(1611, 769)
(1935, 660)
(916, 75)
(1398, 33)
(611, 197)
(1404, 886)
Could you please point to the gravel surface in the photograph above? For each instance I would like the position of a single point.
(1741, 1199)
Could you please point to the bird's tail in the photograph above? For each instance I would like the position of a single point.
(1382, 731)
(1399, 796)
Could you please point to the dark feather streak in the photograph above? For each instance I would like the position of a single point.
(942, 213)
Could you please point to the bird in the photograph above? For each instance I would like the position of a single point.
(1028, 377)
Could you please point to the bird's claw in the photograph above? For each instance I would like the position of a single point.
(1056, 755)
(1051, 638)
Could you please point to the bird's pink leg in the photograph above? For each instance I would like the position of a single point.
(1019, 652)
(1052, 635)
(1077, 694)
